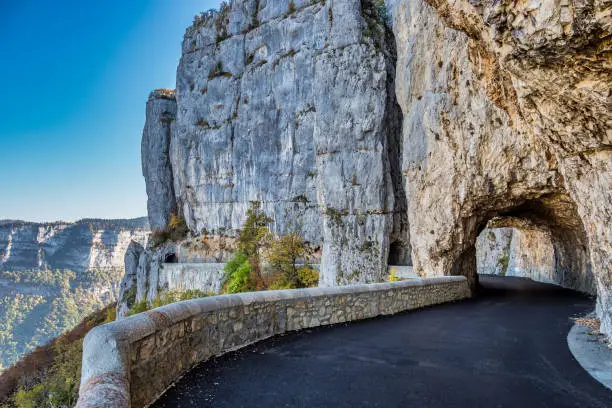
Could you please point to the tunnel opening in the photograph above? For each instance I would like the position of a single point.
(541, 239)
(171, 258)
(516, 252)
(399, 254)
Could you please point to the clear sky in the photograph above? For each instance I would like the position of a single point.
(75, 79)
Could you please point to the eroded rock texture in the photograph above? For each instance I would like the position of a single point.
(292, 107)
(84, 245)
(155, 150)
(506, 112)
(503, 112)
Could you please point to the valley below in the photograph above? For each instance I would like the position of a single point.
(54, 274)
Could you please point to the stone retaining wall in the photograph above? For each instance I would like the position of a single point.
(206, 277)
(131, 362)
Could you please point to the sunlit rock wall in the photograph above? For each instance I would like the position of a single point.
(79, 246)
(506, 112)
(294, 108)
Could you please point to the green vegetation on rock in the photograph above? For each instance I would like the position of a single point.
(283, 254)
(38, 305)
(251, 240)
(177, 229)
(239, 277)
(166, 298)
(502, 262)
(49, 376)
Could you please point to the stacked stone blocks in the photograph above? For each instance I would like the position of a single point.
(139, 357)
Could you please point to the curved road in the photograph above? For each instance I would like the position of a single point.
(506, 348)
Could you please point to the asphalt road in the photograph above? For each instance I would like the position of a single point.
(506, 348)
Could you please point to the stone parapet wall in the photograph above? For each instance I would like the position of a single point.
(131, 362)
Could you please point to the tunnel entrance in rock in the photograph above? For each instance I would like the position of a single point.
(542, 239)
(518, 252)
(399, 254)
(171, 258)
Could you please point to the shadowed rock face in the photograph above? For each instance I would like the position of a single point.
(506, 112)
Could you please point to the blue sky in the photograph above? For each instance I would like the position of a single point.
(76, 76)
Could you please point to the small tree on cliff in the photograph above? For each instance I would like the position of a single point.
(252, 239)
(283, 255)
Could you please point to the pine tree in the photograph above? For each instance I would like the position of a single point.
(252, 238)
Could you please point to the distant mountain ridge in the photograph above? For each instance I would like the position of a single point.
(90, 243)
(132, 223)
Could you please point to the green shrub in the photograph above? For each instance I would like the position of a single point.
(130, 296)
(32, 398)
(254, 231)
(177, 230)
(217, 70)
(252, 238)
(166, 298)
(193, 294)
(240, 280)
(308, 277)
(233, 264)
(283, 253)
(139, 307)
(281, 283)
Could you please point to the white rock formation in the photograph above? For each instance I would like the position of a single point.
(155, 151)
(83, 245)
(294, 109)
(505, 111)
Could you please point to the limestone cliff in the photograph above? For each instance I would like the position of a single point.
(53, 274)
(79, 246)
(293, 107)
(394, 133)
(506, 113)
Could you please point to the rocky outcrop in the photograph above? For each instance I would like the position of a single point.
(155, 150)
(80, 246)
(503, 112)
(291, 105)
(506, 112)
(148, 276)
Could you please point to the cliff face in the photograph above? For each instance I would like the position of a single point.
(503, 114)
(506, 113)
(294, 108)
(80, 246)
